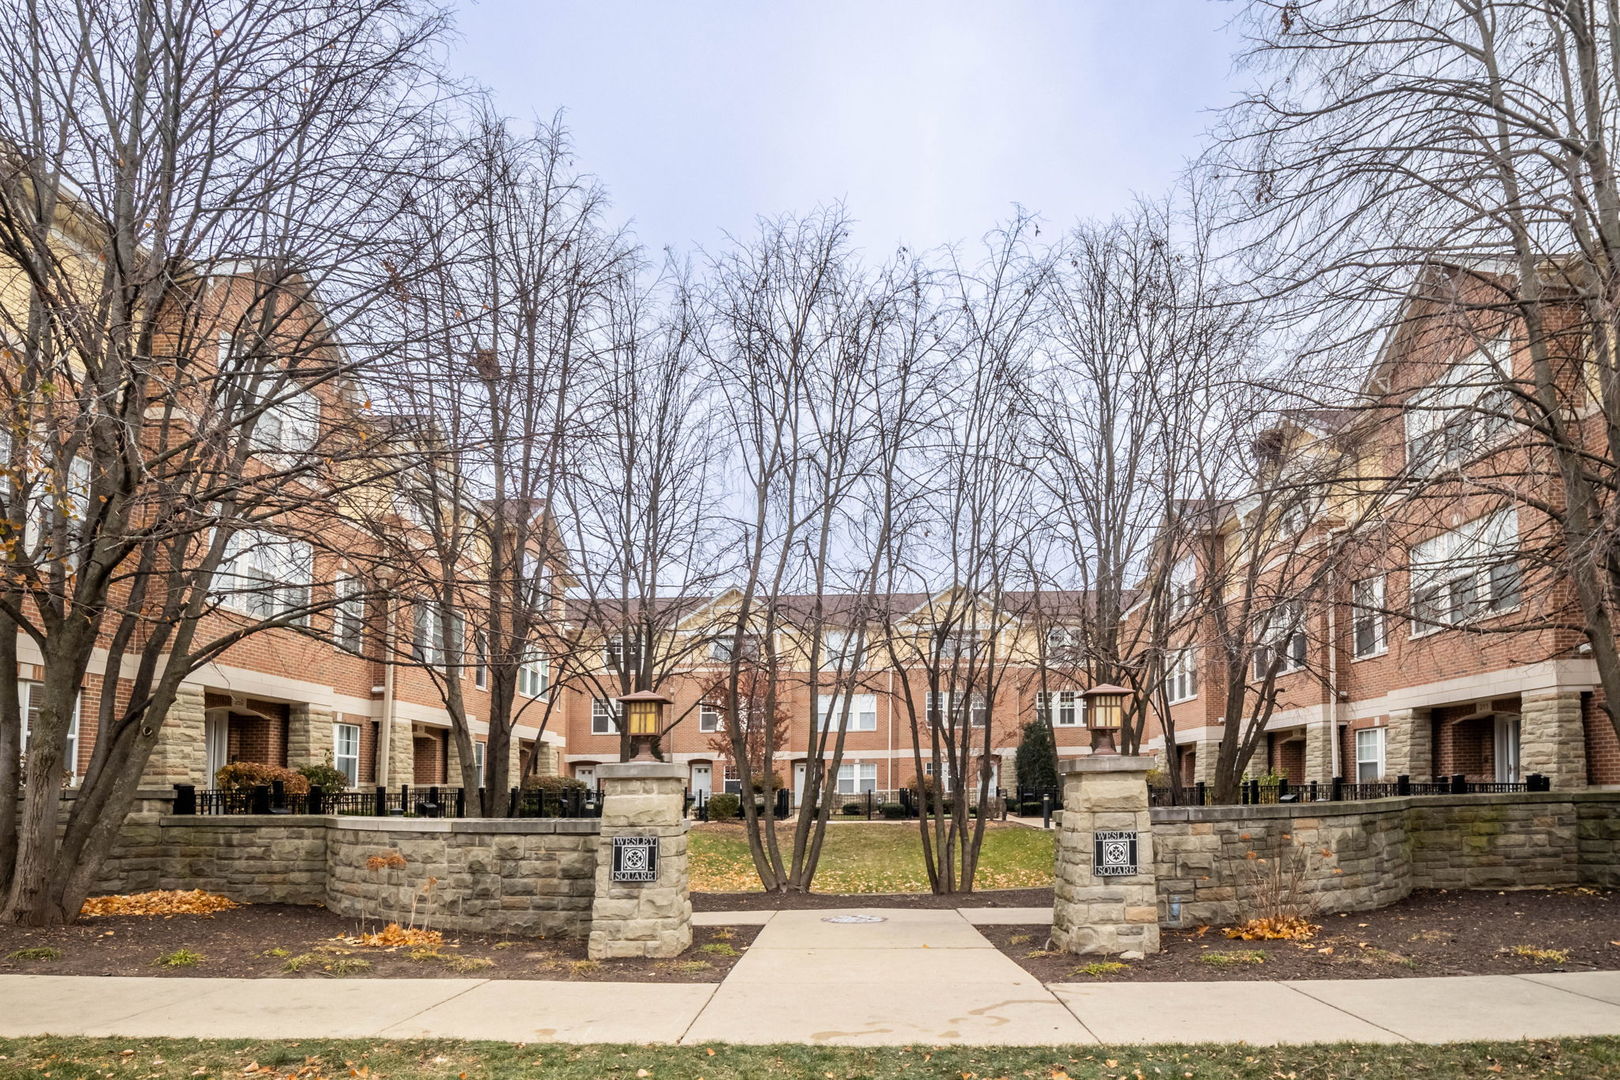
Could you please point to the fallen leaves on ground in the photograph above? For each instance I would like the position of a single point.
(158, 902)
(1273, 928)
(394, 935)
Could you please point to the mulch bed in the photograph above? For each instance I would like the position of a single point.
(1438, 932)
(265, 940)
(754, 901)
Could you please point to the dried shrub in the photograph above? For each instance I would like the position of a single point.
(1272, 892)
(393, 936)
(159, 902)
(247, 775)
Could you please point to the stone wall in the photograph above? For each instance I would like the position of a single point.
(1215, 864)
(526, 876)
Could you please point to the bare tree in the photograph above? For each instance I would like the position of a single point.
(192, 201)
(1453, 161)
(512, 305)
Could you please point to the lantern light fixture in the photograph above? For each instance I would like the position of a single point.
(1105, 715)
(644, 717)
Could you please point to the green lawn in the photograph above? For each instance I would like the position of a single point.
(193, 1059)
(873, 858)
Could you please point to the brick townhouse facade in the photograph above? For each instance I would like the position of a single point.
(1433, 633)
(340, 689)
(881, 699)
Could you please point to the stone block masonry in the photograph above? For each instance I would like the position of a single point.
(1106, 908)
(1356, 856)
(643, 918)
(520, 876)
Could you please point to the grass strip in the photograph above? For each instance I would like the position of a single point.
(69, 1058)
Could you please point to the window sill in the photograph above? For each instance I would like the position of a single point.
(1182, 701)
(1358, 658)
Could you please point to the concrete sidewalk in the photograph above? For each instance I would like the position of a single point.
(911, 977)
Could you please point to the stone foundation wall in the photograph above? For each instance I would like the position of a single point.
(1217, 864)
(528, 876)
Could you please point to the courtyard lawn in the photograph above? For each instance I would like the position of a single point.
(863, 857)
(317, 1059)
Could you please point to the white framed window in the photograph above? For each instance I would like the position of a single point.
(1181, 676)
(427, 639)
(838, 648)
(950, 772)
(1369, 755)
(478, 760)
(264, 575)
(962, 643)
(348, 614)
(1062, 642)
(346, 751)
(708, 718)
(1282, 647)
(1367, 628)
(746, 647)
(533, 676)
(1183, 585)
(948, 707)
(288, 425)
(1467, 573)
(862, 711)
(621, 653)
(53, 499)
(28, 704)
(480, 660)
(1460, 415)
(604, 717)
(857, 777)
(1060, 708)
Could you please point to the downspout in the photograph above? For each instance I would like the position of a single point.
(386, 728)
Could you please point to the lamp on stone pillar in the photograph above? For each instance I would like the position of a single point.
(644, 715)
(1105, 715)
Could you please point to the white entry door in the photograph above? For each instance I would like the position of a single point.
(702, 780)
(216, 743)
(798, 782)
(1507, 748)
(586, 774)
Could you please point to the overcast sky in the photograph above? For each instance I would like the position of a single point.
(929, 118)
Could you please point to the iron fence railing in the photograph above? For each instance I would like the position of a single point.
(1262, 792)
(403, 801)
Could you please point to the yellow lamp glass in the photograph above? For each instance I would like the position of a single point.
(643, 717)
(1107, 710)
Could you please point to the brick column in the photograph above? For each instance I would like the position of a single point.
(652, 918)
(181, 753)
(1552, 738)
(1319, 750)
(309, 735)
(1095, 912)
(1409, 744)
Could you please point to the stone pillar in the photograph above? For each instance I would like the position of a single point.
(452, 760)
(181, 753)
(1319, 750)
(1408, 745)
(401, 763)
(1207, 752)
(1096, 912)
(514, 764)
(309, 735)
(1552, 738)
(651, 918)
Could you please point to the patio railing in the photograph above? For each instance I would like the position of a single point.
(1260, 793)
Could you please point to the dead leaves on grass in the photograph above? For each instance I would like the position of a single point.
(163, 902)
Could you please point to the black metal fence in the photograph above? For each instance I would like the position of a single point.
(1260, 793)
(404, 801)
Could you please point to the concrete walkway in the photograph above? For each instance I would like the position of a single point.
(915, 977)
